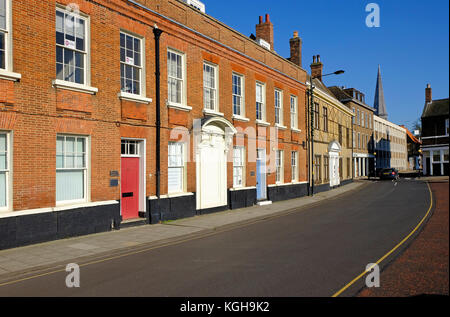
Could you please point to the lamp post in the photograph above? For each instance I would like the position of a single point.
(311, 105)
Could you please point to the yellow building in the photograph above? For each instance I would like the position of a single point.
(330, 153)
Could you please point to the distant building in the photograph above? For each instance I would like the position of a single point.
(390, 145)
(363, 157)
(435, 135)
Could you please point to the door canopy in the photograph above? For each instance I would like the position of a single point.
(334, 146)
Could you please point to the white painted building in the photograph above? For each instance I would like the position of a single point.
(390, 145)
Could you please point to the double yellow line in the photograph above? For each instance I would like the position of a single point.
(390, 252)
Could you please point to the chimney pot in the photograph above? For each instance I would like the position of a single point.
(265, 31)
(318, 58)
(295, 34)
(314, 59)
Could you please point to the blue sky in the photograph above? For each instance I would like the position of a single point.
(411, 44)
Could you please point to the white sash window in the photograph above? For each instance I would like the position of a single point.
(176, 167)
(210, 83)
(175, 75)
(294, 165)
(71, 168)
(260, 101)
(238, 95)
(238, 166)
(3, 34)
(131, 64)
(4, 170)
(278, 106)
(71, 47)
(294, 115)
(279, 166)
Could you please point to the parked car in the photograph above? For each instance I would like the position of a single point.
(388, 173)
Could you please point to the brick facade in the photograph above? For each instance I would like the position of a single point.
(35, 109)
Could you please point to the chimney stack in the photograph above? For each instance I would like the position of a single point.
(428, 96)
(296, 49)
(264, 30)
(316, 68)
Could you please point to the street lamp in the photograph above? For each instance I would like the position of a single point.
(311, 105)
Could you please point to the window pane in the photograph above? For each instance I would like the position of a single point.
(175, 179)
(70, 144)
(60, 144)
(2, 188)
(2, 14)
(69, 185)
(122, 40)
(3, 143)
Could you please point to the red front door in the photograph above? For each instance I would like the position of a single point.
(130, 187)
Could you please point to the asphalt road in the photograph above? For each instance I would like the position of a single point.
(313, 252)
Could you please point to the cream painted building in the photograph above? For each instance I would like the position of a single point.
(331, 153)
(390, 145)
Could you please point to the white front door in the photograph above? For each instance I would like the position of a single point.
(211, 172)
(334, 169)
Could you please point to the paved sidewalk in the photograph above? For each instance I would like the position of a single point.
(424, 267)
(44, 255)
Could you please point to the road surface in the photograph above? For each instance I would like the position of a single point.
(313, 252)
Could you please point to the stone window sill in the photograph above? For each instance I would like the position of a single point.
(4, 74)
(178, 106)
(57, 83)
(132, 97)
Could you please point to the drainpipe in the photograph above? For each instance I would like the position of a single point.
(311, 104)
(157, 32)
(308, 124)
(353, 163)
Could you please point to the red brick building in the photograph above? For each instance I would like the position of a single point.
(78, 116)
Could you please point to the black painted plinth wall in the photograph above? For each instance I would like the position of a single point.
(284, 192)
(35, 228)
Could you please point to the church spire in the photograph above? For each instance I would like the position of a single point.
(379, 103)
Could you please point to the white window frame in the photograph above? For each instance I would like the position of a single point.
(294, 112)
(128, 148)
(86, 170)
(86, 52)
(241, 166)
(278, 106)
(241, 96)
(294, 166)
(183, 98)
(215, 89)
(8, 173)
(7, 35)
(183, 166)
(279, 164)
(261, 102)
(142, 83)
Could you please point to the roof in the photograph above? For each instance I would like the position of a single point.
(411, 136)
(343, 97)
(436, 108)
(318, 84)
